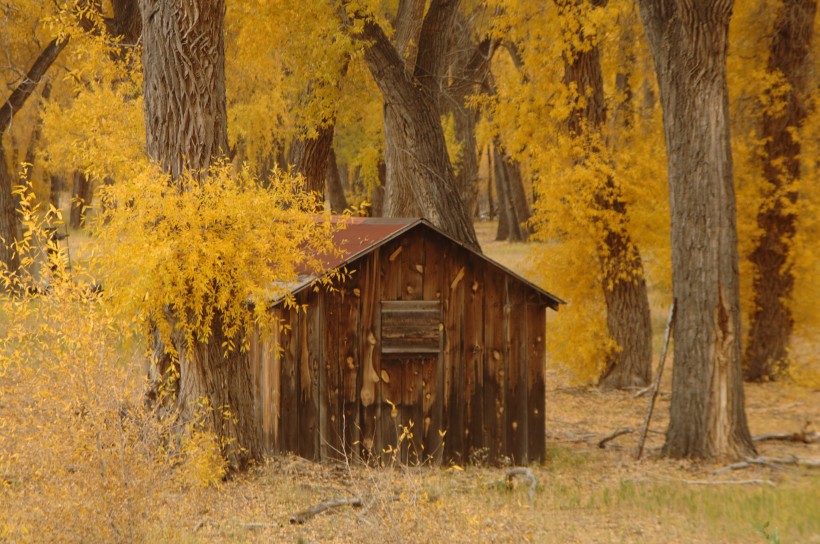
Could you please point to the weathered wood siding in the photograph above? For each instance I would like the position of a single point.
(452, 372)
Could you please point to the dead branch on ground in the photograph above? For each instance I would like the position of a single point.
(613, 436)
(301, 517)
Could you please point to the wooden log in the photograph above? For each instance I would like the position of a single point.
(301, 517)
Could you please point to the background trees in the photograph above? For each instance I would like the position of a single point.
(413, 96)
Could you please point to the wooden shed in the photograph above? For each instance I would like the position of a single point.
(427, 352)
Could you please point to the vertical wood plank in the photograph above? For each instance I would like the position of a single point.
(349, 335)
(537, 360)
(331, 406)
(517, 375)
(473, 355)
(455, 268)
(273, 352)
(433, 367)
(290, 394)
(308, 416)
(412, 413)
(494, 364)
(369, 393)
(391, 371)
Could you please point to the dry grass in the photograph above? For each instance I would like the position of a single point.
(584, 493)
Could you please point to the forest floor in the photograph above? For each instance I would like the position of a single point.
(584, 493)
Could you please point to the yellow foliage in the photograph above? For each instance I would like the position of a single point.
(81, 457)
(571, 173)
(225, 245)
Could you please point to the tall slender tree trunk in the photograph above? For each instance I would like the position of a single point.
(81, 195)
(771, 324)
(186, 124)
(689, 43)
(624, 286)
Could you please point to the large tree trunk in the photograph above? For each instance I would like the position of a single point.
(689, 42)
(15, 101)
(771, 323)
(335, 190)
(186, 124)
(412, 105)
(309, 157)
(627, 303)
(183, 59)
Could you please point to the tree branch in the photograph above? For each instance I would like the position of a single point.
(21, 93)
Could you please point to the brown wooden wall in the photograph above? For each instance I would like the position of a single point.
(329, 391)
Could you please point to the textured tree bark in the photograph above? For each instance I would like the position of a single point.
(624, 286)
(186, 125)
(513, 209)
(771, 324)
(689, 42)
(412, 102)
(183, 59)
(335, 190)
(424, 161)
(397, 194)
(15, 101)
(310, 157)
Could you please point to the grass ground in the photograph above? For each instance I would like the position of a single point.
(584, 493)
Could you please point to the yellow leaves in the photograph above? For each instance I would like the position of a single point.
(224, 245)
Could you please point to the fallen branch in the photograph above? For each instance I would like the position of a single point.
(526, 474)
(729, 482)
(802, 437)
(258, 525)
(301, 517)
(613, 436)
(657, 386)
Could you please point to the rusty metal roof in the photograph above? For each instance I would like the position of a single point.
(360, 235)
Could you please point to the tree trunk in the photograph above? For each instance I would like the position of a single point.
(335, 191)
(183, 59)
(771, 325)
(81, 195)
(689, 42)
(186, 124)
(628, 318)
(8, 217)
(15, 101)
(513, 209)
(411, 105)
(310, 157)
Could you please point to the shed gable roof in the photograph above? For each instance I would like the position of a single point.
(361, 235)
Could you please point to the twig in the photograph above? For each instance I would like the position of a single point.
(612, 436)
(527, 474)
(729, 482)
(669, 323)
(301, 517)
(258, 525)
